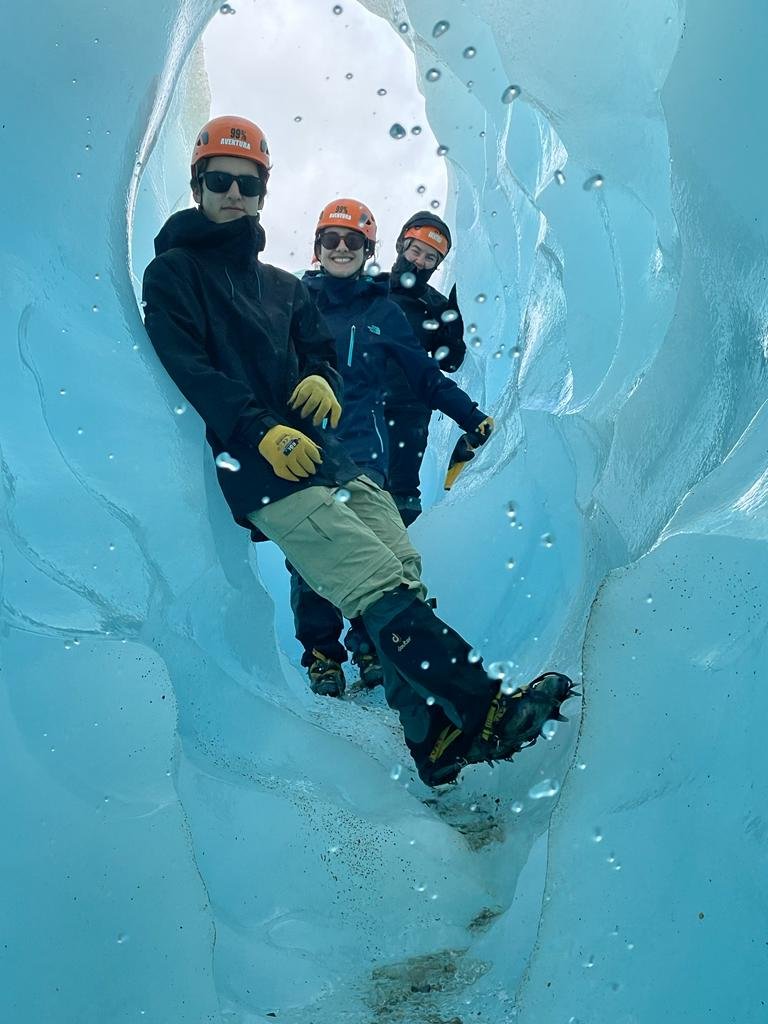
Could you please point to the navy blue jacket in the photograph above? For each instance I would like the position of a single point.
(370, 330)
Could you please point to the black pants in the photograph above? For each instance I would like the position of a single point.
(319, 625)
(408, 427)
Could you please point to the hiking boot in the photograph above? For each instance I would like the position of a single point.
(369, 667)
(515, 720)
(325, 676)
(445, 759)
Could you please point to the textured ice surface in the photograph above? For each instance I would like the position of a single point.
(188, 836)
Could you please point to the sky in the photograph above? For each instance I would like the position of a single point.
(310, 79)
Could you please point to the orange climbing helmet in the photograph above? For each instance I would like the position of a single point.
(427, 228)
(348, 213)
(232, 136)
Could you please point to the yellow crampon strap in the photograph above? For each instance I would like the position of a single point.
(444, 740)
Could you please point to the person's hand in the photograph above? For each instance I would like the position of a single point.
(481, 433)
(291, 454)
(315, 395)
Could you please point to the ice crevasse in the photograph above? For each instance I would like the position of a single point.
(188, 836)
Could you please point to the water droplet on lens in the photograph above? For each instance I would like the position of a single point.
(545, 788)
(419, 887)
(559, 177)
(510, 563)
(547, 540)
(397, 131)
(298, 119)
(349, 75)
(424, 666)
(342, 495)
(416, 130)
(430, 701)
(373, 269)
(442, 150)
(469, 52)
(442, 352)
(434, 203)
(430, 325)
(407, 280)
(515, 352)
(511, 510)
(227, 461)
(396, 772)
(121, 939)
(481, 297)
(500, 669)
(226, 9)
(449, 315)
(381, 92)
(337, 9)
(517, 807)
(474, 656)
(432, 75)
(596, 181)
(180, 409)
(94, 309)
(440, 28)
(421, 189)
(62, 391)
(597, 836)
(403, 27)
(510, 93)
(548, 730)
(649, 599)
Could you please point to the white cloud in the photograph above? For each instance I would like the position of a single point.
(278, 62)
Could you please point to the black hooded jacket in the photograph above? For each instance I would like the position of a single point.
(236, 336)
(422, 303)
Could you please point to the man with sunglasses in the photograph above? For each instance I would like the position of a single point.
(422, 245)
(246, 346)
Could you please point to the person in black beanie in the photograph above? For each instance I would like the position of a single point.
(423, 243)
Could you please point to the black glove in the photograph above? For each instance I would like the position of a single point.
(464, 450)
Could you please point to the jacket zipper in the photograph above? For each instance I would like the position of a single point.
(351, 345)
(231, 286)
(376, 428)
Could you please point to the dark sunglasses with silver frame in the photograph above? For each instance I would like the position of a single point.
(250, 185)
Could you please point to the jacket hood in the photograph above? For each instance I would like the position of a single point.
(192, 229)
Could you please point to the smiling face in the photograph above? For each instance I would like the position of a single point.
(422, 256)
(341, 261)
(223, 207)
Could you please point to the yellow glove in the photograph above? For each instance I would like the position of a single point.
(291, 454)
(315, 395)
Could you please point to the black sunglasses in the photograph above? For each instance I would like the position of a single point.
(353, 241)
(250, 185)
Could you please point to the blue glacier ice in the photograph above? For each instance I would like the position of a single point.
(188, 836)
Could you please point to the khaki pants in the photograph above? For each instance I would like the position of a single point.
(351, 552)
